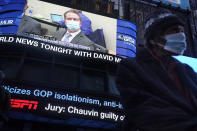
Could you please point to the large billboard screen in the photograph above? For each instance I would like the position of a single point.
(74, 29)
(39, 30)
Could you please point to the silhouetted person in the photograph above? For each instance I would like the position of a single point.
(158, 92)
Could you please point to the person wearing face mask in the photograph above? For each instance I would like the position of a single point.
(73, 33)
(159, 93)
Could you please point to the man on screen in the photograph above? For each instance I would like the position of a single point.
(73, 33)
(28, 25)
(158, 92)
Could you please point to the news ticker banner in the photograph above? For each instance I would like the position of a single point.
(61, 103)
(65, 48)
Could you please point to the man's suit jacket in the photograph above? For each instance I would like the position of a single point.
(80, 39)
(151, 100)
(29, 25)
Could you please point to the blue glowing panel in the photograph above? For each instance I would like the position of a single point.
(192, 62)
(7, 30)
(125, 52)
(9, 22)
(123, 44)
(10, 15)
(12, 7)
(126, 39)
(126, 24)
(185, 4)
(5, 2)
(14, 14)
(127, 31)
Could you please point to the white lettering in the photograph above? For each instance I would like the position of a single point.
(75, 110)
(109, 115)
(82, 53)
(117, 60)
(58, 109)
(103, 56)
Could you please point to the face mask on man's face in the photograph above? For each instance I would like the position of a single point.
(176, 43)
(73, 25)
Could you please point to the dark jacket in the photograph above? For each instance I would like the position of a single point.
(81, 39)
(151, 100)
(29, 25)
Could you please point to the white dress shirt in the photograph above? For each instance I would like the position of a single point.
(72, 35)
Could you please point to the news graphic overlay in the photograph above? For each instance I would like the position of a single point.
(11, 12)
(64, 48)
(61, 103)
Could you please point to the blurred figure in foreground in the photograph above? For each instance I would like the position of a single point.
(158, 92)
(5, 102)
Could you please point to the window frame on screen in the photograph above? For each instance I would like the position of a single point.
(56, 15)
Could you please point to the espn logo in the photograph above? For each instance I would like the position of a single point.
(17, 103)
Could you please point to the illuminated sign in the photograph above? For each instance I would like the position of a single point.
(126, 39)
(41, 45)
(61, 103)
(17, 103)
(99, 32)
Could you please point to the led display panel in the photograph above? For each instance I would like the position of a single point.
(48, 23)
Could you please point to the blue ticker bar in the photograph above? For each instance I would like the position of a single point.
(11, 12)
(122, 44)
(5, 2)
(126, 24)
(14, 14)
(126, 31)
(12, 7)
(7, 30)
(126, 39)
(9, 22)
(125, 52)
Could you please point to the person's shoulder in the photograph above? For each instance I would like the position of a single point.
(188, 69)
(84, 38)
(81, 34)
(60, 31)
(30, 19)
(59, 34)
(142, 57)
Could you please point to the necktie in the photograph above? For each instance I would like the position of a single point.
(66, 37)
